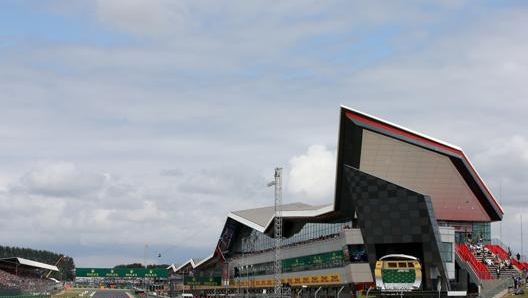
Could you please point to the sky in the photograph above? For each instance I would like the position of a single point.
(131, 128)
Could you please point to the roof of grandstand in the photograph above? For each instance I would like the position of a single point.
(25, 263)
(261, 219)
(191, 263)
(414, 161)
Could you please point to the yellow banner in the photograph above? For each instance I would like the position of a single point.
(326, 279)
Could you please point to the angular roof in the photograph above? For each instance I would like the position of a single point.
(28, 263)
(190, 263)
(415, 161)
(261, 219)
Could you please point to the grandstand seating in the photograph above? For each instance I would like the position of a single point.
(497, 249)
(495, 261)
(10, 281)
(476, 258)
(480, 269)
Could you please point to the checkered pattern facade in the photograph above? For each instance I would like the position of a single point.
(390, 215)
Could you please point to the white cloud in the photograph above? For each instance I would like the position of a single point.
(311, 176)
(61, 179)
(513, 148)
(171, 172)
(503, 164)
(199, 90)
(225, 180)
(143, 17)
(149, 212)
(209, 182)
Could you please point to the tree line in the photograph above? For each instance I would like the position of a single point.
(139, 265)
(66, 265)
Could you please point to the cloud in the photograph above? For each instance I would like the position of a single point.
(512, 149)
(225, 180)
(61, 179)
(504, 166)
(171, 172)
(176, 98)
(208, 182)
(311, 176)
(143, 17)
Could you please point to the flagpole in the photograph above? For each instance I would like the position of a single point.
(522, 247)
(500, 222)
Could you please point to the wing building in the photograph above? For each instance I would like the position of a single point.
(397, 192)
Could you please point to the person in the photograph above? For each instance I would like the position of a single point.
(498, 272)
(518, 257)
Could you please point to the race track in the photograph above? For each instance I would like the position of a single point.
(110, 294)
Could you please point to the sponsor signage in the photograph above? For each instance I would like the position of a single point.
(204, 281)
(305, 262)
(326, 279)
(121, 272)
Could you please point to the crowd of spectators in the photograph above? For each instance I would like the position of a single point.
(25, 284)
(497, 263)
(490, 259)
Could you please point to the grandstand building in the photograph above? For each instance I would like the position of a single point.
(397, 192)
(22, 276)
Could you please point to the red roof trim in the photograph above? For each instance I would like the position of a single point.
(404, 133)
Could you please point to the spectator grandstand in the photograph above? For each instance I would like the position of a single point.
(22, 276)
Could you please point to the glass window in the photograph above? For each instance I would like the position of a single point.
(482, 230)
(310, 232)
(446, 251)
(358, 253)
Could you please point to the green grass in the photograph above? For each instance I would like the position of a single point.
(511, 294)
(75, 292)
(69, 293)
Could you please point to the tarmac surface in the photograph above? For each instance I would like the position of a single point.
(110, 294)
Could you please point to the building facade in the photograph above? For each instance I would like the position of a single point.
(397, 192)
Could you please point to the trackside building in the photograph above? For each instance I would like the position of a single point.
(396, 192)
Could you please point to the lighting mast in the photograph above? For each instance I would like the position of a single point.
(278, 230)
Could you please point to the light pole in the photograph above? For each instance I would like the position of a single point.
(522, 247)
(145, 275)
(277, 231)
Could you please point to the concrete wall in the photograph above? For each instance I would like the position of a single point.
(447, 235)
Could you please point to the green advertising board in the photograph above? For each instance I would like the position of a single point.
(121, 272)
(306, 262)
(203, 281)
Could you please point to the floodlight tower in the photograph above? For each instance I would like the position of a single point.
(278, 230)
(146, 266)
